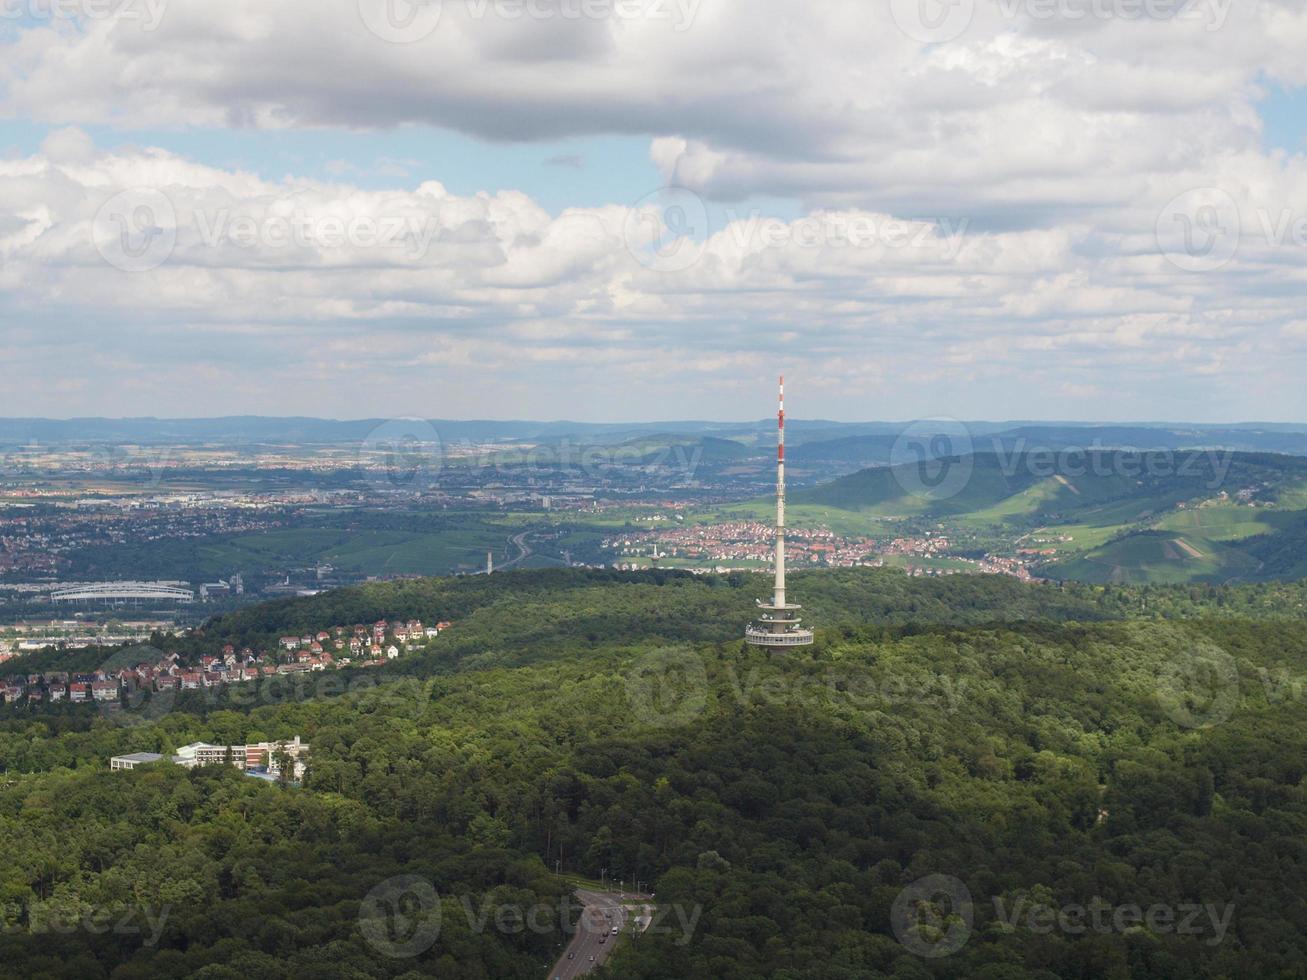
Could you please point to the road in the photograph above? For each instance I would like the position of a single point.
(524, 549)
(594, 923)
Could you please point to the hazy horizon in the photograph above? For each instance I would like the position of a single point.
(791, 419)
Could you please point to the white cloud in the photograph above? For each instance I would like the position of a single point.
(990, 204)
(1026, 116)
(303, 290)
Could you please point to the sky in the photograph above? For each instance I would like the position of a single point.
(617, 210)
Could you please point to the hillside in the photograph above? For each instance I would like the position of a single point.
(1040, 746)
(1159, 556)
(1104, 516)
(1216, 544)
(1110, 483)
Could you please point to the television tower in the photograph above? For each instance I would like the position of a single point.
(778, 627)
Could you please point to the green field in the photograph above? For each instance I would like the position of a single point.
(1224, 522)
(1157, 556)
(1083, 537)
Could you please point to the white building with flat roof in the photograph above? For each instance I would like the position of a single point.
(256, 756)
(133, 760)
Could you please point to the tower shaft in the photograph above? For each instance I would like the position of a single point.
(779, 627)
(778, 598)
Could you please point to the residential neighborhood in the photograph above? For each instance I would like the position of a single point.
(329, 649)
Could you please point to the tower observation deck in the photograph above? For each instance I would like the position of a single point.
(778, 626)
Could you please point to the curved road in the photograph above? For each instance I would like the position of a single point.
(602, 911)
(523, 548)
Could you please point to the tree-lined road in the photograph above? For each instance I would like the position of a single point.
(602, 912)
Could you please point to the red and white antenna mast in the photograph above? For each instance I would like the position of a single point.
(779, 596)
(779, 628)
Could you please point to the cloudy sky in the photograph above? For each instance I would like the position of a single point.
(642, 209)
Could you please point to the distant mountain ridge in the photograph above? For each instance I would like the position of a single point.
(810, 439)
(1048, 482)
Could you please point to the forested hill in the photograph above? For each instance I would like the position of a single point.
(524, 616)
(1034, 750)
(538, 613)
(601, 606)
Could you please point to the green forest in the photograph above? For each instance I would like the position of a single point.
(1038, 750)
